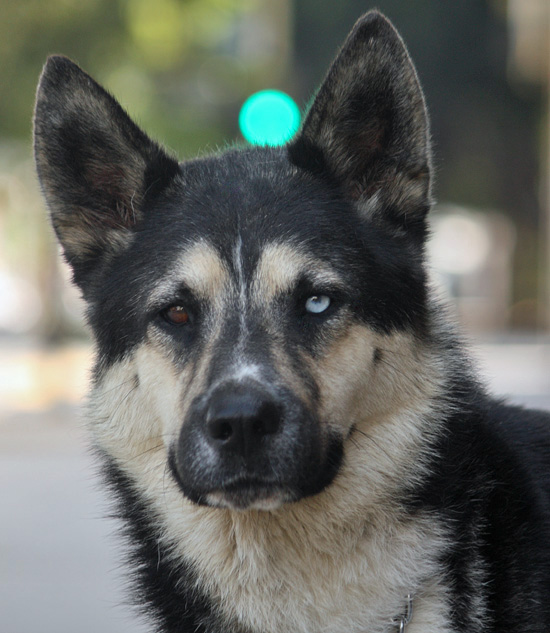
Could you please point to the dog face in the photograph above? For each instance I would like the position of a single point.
(251, 309)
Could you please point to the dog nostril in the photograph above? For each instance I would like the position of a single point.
(220, 429)
(267, 421)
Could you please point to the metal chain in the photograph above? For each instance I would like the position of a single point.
(406, 618)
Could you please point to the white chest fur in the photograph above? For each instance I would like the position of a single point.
(298, 570)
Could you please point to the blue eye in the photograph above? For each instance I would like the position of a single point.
(317, 304)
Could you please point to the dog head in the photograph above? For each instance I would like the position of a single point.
(252, 300)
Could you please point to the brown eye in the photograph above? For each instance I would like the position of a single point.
(177, 315)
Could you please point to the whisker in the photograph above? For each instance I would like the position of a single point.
(369, 438)
(124, 382)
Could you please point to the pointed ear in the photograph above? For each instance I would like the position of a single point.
(368, 128)
(95, 166)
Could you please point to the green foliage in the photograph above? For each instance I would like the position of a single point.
(154, 55)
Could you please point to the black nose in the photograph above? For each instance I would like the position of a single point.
(240, 419)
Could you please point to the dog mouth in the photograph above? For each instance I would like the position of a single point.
(239, 492)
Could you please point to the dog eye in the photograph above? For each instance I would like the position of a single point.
(176, 315)
(317, 304)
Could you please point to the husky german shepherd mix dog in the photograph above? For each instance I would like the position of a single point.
(293, 432)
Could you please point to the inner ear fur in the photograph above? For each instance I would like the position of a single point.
(368, 127)
(95, 166)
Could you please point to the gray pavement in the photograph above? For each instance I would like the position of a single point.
(59, 567)
(59, 554)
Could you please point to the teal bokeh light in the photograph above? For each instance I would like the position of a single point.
(269, 117)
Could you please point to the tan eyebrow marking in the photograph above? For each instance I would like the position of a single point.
(201, 269)
(204, 271)
(281, 265)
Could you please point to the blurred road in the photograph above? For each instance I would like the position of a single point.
(59, 566)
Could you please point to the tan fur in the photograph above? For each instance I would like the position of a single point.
(355, 387)
(341, 560)
(79, 237)
(201, 269)
(327, 562)
(279, 268)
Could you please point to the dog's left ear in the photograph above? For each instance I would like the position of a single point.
(368, 127)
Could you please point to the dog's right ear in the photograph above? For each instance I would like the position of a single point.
(96, 167)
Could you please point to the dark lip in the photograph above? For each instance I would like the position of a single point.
(243, 493)
(245, 487)
(240, 491)
(249, 488)
(247, 482)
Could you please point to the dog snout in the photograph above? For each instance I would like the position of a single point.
(241, 420)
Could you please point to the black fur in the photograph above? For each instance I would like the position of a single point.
(97, 169)
(160, 585)
(491, 480)
(354, 187)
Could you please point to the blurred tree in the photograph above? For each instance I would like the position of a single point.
(183, 68)
(148, 53)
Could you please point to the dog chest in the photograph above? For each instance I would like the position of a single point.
(294, 571)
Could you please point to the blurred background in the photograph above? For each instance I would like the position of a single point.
(182, 69)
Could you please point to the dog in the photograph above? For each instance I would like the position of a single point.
(288, 419)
